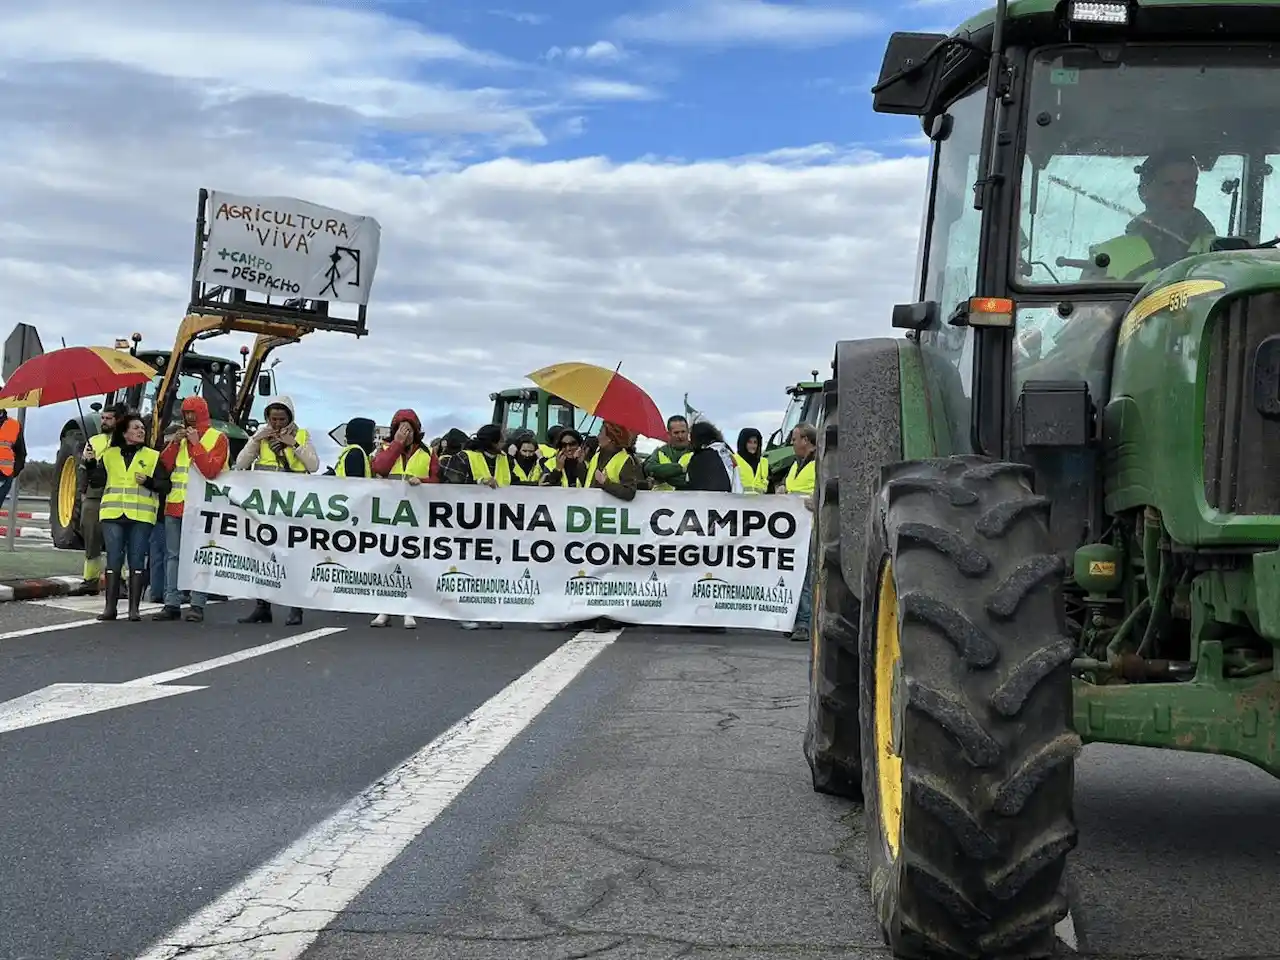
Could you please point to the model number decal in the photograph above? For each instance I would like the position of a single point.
(1176, 296)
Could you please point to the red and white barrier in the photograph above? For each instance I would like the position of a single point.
(29, 533)
(27, 515)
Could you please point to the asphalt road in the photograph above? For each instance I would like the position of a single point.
(639, 796)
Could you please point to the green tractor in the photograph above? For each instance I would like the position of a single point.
(532, 408)
(805, 407)
(1049, 514)
(214, 378)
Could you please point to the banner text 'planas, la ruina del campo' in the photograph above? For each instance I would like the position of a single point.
(516, 554)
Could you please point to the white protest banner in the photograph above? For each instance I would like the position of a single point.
(283, 246)
(513, 555)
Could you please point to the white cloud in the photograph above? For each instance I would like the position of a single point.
(602, 51)
(725, 279)
(594, 88)
(726, 22)
(531, 19)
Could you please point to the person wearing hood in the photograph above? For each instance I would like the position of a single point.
(526, 463)
(568, 468)
(452, 444)
(206, 446)
(483, 461)
(134, 485)
(552, 446)
(406, 455)
(353, 459)
(753, 466)
(281, 446)
(712, 467)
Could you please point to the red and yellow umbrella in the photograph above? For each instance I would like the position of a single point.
(72, 373)
(605, 394)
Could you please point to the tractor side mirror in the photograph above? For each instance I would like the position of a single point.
(775, 439)
(95, 407)
(264, 384)
(910, 74)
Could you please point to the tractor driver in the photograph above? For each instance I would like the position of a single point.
(1169, 228)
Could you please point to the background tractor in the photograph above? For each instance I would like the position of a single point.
(532, 408)
(805, 407)
(1049, 515)
(234, 391)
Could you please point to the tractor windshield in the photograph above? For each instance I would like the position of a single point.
(802, 409)
(1141, 155)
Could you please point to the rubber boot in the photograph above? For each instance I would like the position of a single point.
(261, 614)
(295, 617)
(136, 585)
(113, 596)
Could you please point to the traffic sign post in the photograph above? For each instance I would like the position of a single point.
(23, 345)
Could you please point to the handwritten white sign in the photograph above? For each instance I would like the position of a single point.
(289, 248)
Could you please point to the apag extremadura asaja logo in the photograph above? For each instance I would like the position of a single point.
(229, 565)
(468, 588)
(608, 592)
(753, 597)
(341, 579)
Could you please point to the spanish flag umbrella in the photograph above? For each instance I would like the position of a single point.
(70, 374)
(605, 394)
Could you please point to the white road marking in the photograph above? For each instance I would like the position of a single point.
(62, 701)
(279, 910)
(1066, 931)
(91, 604)
(47, 628)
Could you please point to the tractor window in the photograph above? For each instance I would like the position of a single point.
(951, 257)
(562, 414)
(1202, 116)
(1049, 346)
(514, 416)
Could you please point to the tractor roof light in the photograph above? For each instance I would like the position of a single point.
(1113, 12)
(990, 312)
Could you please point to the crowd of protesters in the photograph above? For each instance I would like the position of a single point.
(134, 495)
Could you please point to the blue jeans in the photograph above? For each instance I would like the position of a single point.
(172, 554)
(6, 483)
(158, 561)
(122, 537)
(804, 614)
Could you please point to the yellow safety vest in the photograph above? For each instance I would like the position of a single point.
(612, 470)
(124, 497)
(549, 466)
(480, 467)
(533, 476)
(419, 465)
(98, 443)
(181, 465)
(802, 479)
(267, 457)
(757, 482)
(341, 469)
(547, 451)
(663, 458)
(1132, 258)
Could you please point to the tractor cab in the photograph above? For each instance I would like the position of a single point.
(805, 406)
(531, 408)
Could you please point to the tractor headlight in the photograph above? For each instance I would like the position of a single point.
(1115, 12)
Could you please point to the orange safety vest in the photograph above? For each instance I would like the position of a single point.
(9, 431)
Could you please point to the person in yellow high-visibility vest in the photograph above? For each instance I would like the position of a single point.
(665, 467)
(753, 465)
(526, 464)
(280, 445)
(91, 496)
(134, 483)
(801, 480)
(568, 468)
(408, 459)
(483, 462)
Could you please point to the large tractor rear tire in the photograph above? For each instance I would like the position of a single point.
(832, 746)
(969, 752)
(64, 503)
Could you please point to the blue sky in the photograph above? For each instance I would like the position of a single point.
(699, 190)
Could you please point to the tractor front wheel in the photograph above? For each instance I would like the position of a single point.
(967, 743)
(64, 501)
